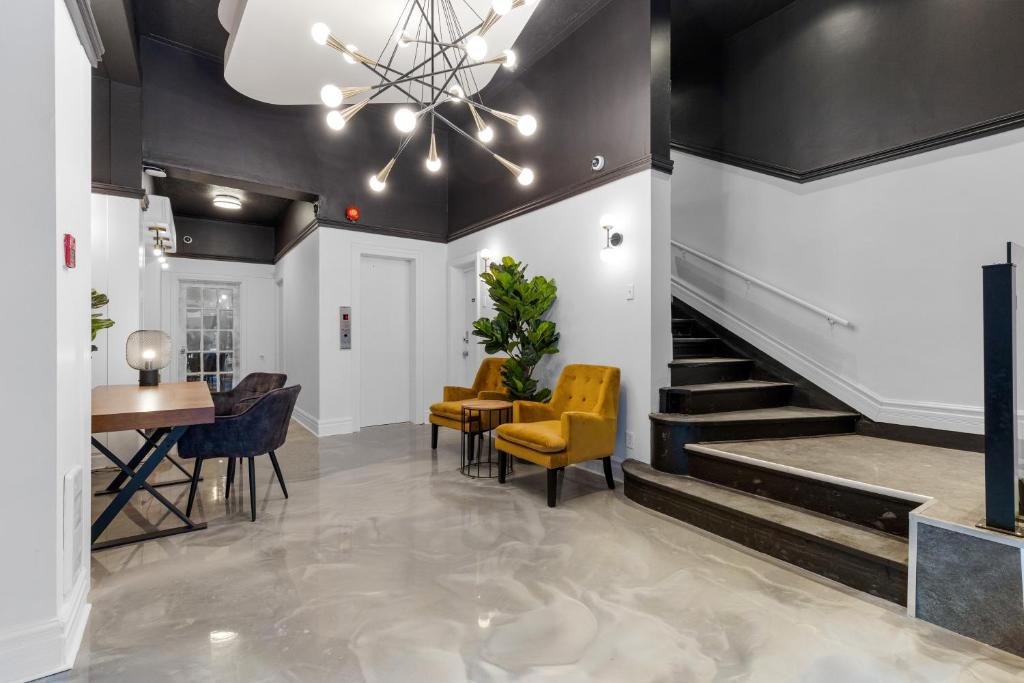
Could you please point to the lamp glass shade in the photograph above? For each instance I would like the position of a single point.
(148, 351)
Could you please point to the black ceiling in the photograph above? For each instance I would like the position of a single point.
(190, 198)
(724, 18)
(189, 23)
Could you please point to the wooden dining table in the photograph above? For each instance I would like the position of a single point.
(168, 410)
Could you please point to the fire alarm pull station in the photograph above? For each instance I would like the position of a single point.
(69, 251)
(346, 327)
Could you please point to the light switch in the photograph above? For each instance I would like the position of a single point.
(630, 291)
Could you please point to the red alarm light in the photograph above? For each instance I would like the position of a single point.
(352, 213)
(69, 251)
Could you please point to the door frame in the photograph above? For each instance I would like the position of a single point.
(456, 272)
(417, 409)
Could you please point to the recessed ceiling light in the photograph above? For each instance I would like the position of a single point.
(227, 201)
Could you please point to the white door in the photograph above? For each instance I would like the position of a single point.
(207, 333)
(469, 350)
(383, 323)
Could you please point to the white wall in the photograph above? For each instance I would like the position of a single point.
(598, 325)
(258, 322)
(298, 273)
(897, 249)
(44, 404)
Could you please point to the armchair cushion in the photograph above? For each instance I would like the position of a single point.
(449, 409)
(544, 437)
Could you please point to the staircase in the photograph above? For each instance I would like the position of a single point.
(852, 534)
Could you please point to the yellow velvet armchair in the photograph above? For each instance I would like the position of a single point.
(486, 385)
(577, 425)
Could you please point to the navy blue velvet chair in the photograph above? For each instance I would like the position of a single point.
(254, 385)
(260, 426)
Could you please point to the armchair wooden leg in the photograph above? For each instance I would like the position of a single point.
(608, 471)
(553, 486)
(194, 486)
(502, 466)
(433, 437)
(252, 486)
(277, 471)
(230, 478)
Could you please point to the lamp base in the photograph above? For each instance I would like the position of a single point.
(149, 378)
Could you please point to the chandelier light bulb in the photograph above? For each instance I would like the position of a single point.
(525, 177)
(486, 134)
(476, 48)
(321, 32)
(157, 251)
(349, 58)
(433, 161)
(433, 165)
(376, 184)
(527, 125)
(331, 95)
(405, 120)
(335, 120)
(457, 93)
(403, 37)
(510, 59)
(501, 7)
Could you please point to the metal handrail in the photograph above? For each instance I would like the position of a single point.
(832, 318)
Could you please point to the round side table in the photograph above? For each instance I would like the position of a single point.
(479, 418)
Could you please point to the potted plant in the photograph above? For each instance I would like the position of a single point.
(99, 300)
(519, 329)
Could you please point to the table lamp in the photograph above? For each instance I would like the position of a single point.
(148, 351)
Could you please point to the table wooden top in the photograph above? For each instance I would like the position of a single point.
(489, 404)
(121, 407)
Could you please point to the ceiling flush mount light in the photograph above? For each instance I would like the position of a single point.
(154, 171)
(227, 201)
(611, 239)
(446, 56)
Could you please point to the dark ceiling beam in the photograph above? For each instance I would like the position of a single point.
(116, 22)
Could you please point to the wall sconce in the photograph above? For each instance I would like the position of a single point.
(485, 255)
(611, 239)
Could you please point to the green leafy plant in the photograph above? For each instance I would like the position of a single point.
(519, 328)
(99, 300)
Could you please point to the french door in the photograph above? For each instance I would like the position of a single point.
(208, 323)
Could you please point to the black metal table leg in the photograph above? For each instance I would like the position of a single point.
(136, 479)
(149, 444)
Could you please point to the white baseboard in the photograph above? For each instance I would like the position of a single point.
(49, 647)
(320, 428)
(948, 416)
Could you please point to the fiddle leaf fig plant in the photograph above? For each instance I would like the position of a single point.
(99, 300)
(519, 329)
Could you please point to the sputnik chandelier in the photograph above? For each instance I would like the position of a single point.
(446, 54)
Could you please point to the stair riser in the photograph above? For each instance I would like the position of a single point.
(871, 510)
(709, 374)
(668, 440)
(697, 348)
(699, 403)
(684, 328)
(849, 567)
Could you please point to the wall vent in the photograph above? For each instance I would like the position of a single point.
(73, 531)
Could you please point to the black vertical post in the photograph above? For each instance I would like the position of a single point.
(1001, 491)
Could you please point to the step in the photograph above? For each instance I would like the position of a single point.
(718, 397)
(671, 432)
(711, 369)
(860, 558)
(857, 503)
(683, 327)
(696, 347)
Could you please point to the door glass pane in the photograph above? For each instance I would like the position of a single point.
(193, 319)
(193, 378)
(209, 362)
(192, 362)
(227, 362)
(227, 381)
(192, 340)
(208, 322)
(194, 296)
(211, 380)
(227, 320)
(209, 341)
(225, 300)
(227, 341)
(209, 297)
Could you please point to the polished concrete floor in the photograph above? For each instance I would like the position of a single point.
(387, 565)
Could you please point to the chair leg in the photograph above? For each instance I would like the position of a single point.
(433, 437)
(252, 486)
(230, 478)
(552, 487)
(608, 471)
(277, 471)
(194, 486)
(502, 466)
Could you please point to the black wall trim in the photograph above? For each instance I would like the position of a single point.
(379, 230)
(85, 26)
(118, 190)
(961, 441)
(980, 130)
(642, 164)
(659, 163)
(303, 234)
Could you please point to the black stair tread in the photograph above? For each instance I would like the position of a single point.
(738, 385)
(781, 413)
(683, 320)
(700, 362)
(697, 339)
(865, 541)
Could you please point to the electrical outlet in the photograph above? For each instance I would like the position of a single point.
(630, 442)
(630, 291)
